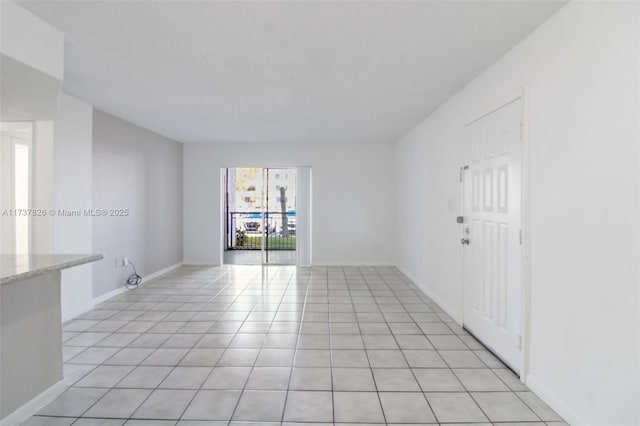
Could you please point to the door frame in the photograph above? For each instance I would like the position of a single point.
(303, 199)
(522, 94)
(8, 143)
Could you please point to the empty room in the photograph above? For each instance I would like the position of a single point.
(323, 212)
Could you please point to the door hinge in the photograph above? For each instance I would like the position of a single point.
(520, 236)
(519, 341)
(521, 131)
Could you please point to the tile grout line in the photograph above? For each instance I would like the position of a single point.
(257, 356)
(378, 285)
(159, 347)
(295, 349)
(186, 407)
(139, 333)
(375, 382)
(404, 356)
(452, 372)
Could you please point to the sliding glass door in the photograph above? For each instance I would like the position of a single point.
(280, 216)
(260, 216)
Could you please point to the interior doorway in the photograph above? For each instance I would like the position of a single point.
(260, 216)
(492, 231)
(16, 145)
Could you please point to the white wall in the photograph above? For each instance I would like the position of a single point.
(138, 170)
(42, 186)
(32, 54)
(581, 68)
(30, 40)
(72, 190)
(31, 65)
(351, 197)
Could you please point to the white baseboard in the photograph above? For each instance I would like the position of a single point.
(146, 278)
(161, 272)
(77, 312)
(552, 400)
(542, 391)
(347, 264)
(35, 405)
(106, 296)
(315, 263)
(92, 304)
(457, 317)
(199, 263)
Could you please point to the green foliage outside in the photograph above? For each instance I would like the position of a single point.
(274, 242)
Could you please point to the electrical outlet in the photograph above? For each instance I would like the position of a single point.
(125, 261)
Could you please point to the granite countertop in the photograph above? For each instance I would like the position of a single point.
(15, 267)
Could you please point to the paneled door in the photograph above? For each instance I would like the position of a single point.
(491, 231)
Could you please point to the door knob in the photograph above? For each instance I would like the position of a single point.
(464, 241)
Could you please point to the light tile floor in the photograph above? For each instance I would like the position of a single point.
(254, 257)
(281, 344)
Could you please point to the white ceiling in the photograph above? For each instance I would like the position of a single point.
(306, 71)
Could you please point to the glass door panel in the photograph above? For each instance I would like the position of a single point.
(260, 216)
(280, 216)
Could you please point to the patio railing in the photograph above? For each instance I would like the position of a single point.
(245, 230)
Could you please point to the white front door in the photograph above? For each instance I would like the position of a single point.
(492, 218)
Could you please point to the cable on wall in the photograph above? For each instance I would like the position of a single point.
(134, 279)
